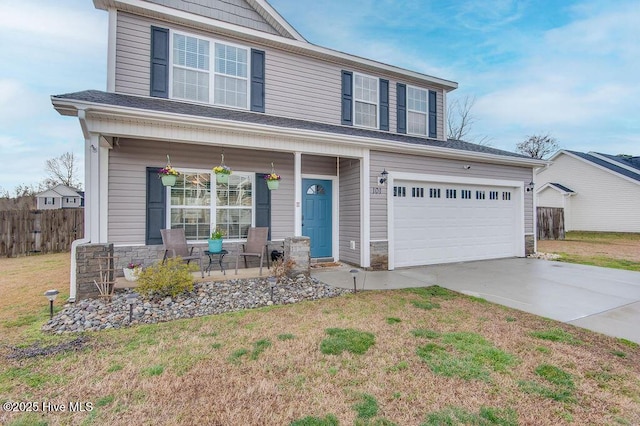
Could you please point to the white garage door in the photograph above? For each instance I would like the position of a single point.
(443, 223)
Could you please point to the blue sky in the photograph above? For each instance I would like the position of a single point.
(568, 68)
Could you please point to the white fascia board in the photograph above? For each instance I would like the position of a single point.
(598, 166)
(128, 115)
(303, 47)
(555, 188)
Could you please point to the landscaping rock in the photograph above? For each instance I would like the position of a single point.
(205, 299)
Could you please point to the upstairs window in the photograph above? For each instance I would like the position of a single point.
(366, 99)
(417, 111)
(194, 80)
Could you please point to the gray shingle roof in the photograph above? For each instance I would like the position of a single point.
(607, 165)
(198, 110)
(561, 187)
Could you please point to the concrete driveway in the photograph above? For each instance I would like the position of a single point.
(600, 299)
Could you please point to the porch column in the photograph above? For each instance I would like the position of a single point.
(92, 192)
(297, 188)
(365, 210)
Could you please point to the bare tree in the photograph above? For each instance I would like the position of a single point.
(460, 121)
(63, 170)
(538, 146)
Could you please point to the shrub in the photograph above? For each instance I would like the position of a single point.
(166, 279)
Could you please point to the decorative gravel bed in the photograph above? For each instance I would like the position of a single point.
(205, 299)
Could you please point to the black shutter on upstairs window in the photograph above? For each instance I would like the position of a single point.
(257, 80)
(263, 203)
(384, 104)
(347, 98)
(433, 122)
(401, 90)
(159, 62)
(156, 207)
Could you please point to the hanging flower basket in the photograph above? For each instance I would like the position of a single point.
(222, 177)
(222, 172)
(169, 180)
(168, 174)
(272, 179)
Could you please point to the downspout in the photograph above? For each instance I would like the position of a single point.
(74, 245)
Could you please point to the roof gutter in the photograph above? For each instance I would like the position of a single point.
(126, 114)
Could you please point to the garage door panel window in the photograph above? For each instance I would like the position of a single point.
(399, 191)
(465, 194)
(493, 195)
(506, 196)
(434, 192)
(417, 192)
(481, 195)
(451, 193)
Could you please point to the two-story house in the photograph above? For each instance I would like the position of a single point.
(367, 170)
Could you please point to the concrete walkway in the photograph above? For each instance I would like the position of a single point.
(599, 299)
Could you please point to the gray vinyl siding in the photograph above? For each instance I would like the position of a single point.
(133, 46)
(127, 170)
(318, 165)
(233, 11)
(296, 86)
(438, 166)
(349, 216)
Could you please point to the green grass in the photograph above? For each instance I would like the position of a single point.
(154, 370)
(601, 236)
(237, 354)
(340, 340)
(468, 356)
(602, 261)
(562, 386)
(393, 320)
(367, 407)
(556, 335)
(328, 420)
(259, 347)
(433, 291)
(425, 304)
(428, 334)
(29, 419)
(485, 417)
(286, 336)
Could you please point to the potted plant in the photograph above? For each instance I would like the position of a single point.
(222, 172)
(131, 271)
(168, 174)
(215, 242)
(273, 180)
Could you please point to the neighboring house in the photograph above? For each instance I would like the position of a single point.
(59, 197)
(198, 79)
(598, 192)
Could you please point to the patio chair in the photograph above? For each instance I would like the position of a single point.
(256, 246)
(175, 244)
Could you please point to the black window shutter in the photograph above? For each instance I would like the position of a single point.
(159, 62)
(402, 107)
(347, 98)
(263, 203)
(384, 104)
(433, 115)
(257, 80)
(156, 207)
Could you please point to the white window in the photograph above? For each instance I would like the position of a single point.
(193, 205)
(48, 200)
(417, 111)
(365, 99)
(193, 78)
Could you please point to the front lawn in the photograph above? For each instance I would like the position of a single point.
(607, 249)
(408, 357)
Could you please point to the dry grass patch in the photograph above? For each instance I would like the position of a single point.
(180, 372)
(607, 249)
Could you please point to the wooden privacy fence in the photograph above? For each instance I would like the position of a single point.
(39, 231)
(550, 223)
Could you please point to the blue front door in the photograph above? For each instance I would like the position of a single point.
(316, 215)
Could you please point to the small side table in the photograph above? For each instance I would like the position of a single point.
(211, 256)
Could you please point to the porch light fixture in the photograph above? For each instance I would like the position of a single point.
(51, 296)
(530, 186)
(132, 298)
(383, 177)
(354, 274)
